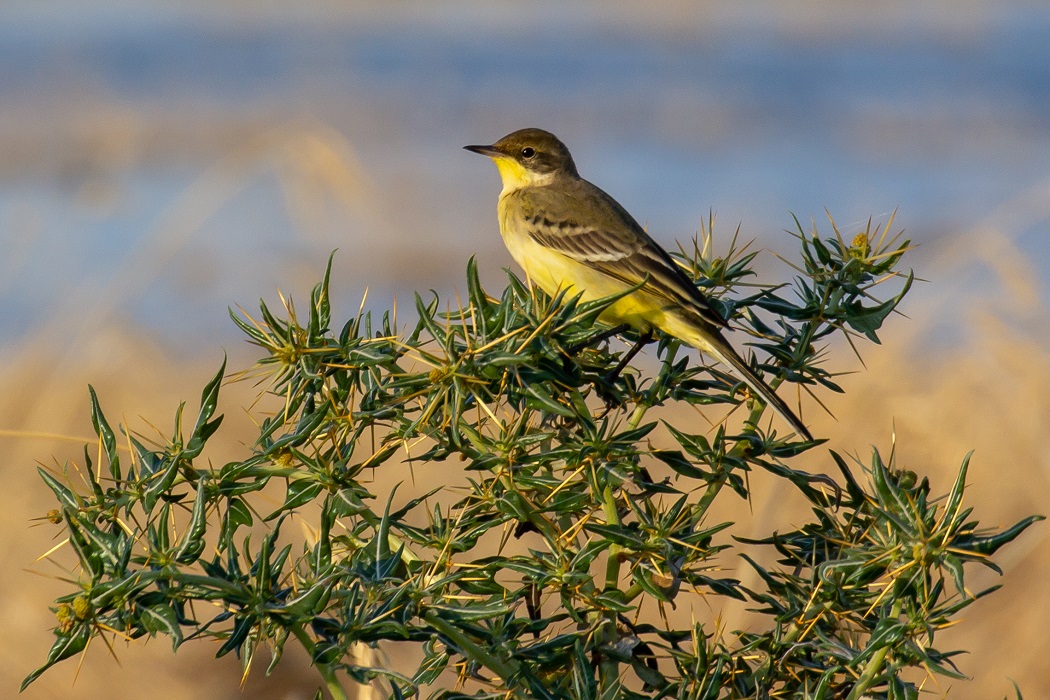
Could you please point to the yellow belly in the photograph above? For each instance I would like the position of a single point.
(553, 272)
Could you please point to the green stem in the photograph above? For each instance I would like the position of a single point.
(713, 487)
(874, 666)
(751, 423)
(636, 416)
(632, 592)
(503, 668)
(867, 678)
(331, 680)
(609, 668)
(612, 567)
(759, 408)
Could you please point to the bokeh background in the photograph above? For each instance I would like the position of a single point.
(161, 162)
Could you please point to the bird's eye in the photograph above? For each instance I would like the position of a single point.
(528, 152)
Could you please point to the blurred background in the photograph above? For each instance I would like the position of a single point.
(160, 163)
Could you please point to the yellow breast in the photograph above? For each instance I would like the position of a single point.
(553, 272)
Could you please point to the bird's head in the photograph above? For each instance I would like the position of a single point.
(528, 157)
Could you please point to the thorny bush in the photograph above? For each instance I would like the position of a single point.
(560, 565)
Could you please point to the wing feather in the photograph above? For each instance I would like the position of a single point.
(622, 251)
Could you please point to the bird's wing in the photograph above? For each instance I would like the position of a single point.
(591, 228)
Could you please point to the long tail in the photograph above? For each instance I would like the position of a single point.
(715, 345)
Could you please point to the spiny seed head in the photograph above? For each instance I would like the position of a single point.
(861, 246)
(82, 607)
(65, 617)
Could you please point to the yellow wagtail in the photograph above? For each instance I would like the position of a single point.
(569, 235)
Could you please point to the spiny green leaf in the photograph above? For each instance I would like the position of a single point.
(105, 434)
(161, 618)
(193, 539)
(300, 492)
(67, 498)
(869, 319)
(64, 647)
(677, 461)
(990, 544)
(205, 427)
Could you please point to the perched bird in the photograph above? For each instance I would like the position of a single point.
(569, 235)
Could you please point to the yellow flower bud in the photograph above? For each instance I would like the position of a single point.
(82, 607)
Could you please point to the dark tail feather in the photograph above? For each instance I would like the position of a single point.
(724, 353)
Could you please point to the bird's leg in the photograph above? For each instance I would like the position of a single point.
(601, 337)
(646, 338)
(604, 387)
(571, 352)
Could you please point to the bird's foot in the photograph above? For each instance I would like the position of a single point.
(600, 338)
